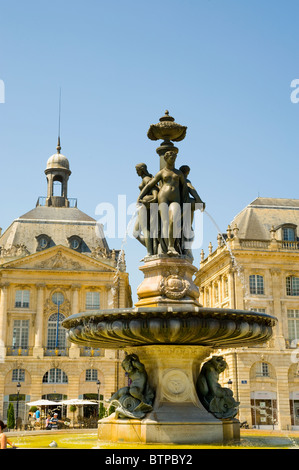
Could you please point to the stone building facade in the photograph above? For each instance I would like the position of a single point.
(256, 267)
(54, 262)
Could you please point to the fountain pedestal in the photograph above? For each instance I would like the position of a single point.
(178, 417)
(172, 341)
(167, 281)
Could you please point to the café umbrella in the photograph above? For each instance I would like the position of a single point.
(76, 401)
(42, 402)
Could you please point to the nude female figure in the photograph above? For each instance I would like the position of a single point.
(195, 202)
(144, 230)
(172, 194)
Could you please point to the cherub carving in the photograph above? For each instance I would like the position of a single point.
(135, 400)
(216, 399)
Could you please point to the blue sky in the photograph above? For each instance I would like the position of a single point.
(222, 67)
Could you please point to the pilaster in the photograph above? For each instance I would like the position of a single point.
(3, 318)
(38, 337)
(74, 351)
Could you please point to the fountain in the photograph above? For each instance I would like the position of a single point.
(173, 395)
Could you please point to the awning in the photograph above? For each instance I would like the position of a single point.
(42, 402)
(76, 401)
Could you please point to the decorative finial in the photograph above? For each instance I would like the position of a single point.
(58, 145)
(166, 117)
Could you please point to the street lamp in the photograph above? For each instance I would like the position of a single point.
(18, 396)
(98, 386)
(230, 382)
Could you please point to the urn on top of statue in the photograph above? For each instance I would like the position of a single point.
(168, 130)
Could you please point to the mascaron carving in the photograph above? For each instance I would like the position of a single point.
(174, 286)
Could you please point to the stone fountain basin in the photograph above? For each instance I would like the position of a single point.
(177, 324)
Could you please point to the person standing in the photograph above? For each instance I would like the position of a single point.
(37, 415)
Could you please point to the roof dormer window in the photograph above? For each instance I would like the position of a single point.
(288, 234)
(43, 242)
(75, 243)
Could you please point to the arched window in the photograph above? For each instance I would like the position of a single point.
(57, 186)
(56, 332)
(18, 375)
(58, 298)
(91, 375)
(55, 376)
(289, 233)
(262, 369)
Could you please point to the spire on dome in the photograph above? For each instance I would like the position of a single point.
(58, 148)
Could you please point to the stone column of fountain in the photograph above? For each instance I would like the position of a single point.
(173, 395)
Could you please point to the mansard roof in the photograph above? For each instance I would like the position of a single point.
(65, 214)
(257, 219)
(58, 224)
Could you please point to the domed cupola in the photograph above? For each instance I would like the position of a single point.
(57, 172)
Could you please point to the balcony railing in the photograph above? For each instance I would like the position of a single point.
(92, 352)
(19, 351)
(254, 244)
(292, 343)
(41, 201)
(56, 351)
(265, 244)
(289, 245)
(28, 351)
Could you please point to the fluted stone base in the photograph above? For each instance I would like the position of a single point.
(177, 417)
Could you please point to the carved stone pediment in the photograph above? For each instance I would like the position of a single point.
(59, 261)
(61, 258)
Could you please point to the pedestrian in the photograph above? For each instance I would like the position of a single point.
(54, 421)
(3, 439)
(48, 424)
(37, 415)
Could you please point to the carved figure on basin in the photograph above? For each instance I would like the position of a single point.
(135, 400)
(216, 399)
